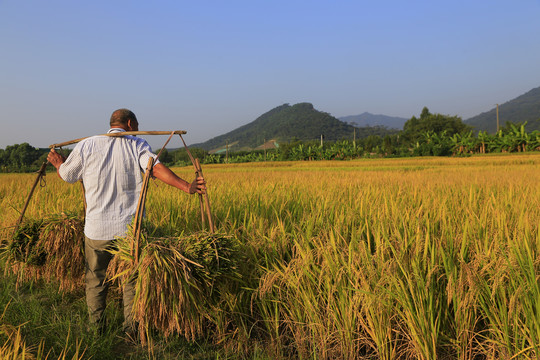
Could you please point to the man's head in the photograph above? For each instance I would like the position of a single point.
(125, 119)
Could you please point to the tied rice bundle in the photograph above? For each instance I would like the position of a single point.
(179, 281)
(50, 249)
(23, 247)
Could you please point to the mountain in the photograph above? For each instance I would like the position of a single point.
(367, 119)
(525, 107)
(287, 123)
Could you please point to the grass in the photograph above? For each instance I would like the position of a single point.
(388, 258)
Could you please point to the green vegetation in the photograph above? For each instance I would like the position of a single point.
(415, 129)
(22, 158)
(454, 140)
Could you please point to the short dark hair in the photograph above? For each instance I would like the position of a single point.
(121, 117)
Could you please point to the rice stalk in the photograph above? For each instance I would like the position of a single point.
(418, 289)
(62, 238)
(13, 345)
(376, 318)
(180, 281)
(23, 246)
(50, 249)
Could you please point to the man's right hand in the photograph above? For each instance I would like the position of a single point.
(197, 186)
(55, 158)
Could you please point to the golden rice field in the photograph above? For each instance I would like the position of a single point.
(418, 258)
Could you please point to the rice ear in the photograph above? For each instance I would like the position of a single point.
(174, 290)
(62, 238)
(49, 249)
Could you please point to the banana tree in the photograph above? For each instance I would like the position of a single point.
(501, 143)
(462, 143)
(534, 140)
(298, 152)
(483, 140)
(520, 137)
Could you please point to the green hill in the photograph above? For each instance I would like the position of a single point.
(523, 108)
(287, 123)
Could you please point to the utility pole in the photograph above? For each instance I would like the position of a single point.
(354, 139)
(321, 140)
(497, 111)
(264, 146)
(227, 152)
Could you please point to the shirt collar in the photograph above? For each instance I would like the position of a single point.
(115, 130)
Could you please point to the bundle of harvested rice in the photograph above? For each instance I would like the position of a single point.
(179, 281)
(23, 247)
(50, 249)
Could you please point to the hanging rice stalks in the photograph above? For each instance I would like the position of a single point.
(49, 249)
(23, 247)
(180, 281)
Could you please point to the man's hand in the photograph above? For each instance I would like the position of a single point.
(55, 158)
(165, 174)
(197, 186)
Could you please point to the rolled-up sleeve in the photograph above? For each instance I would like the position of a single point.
(145, 153)
(72, 169)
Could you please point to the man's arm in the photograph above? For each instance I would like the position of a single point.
(165, 174)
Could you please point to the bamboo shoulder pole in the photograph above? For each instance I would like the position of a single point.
(120, 134)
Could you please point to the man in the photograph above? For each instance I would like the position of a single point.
(110, 168)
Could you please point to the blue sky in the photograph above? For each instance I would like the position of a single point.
(209, 67)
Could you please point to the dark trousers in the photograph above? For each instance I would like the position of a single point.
(97, 261)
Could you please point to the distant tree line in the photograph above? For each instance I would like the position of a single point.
(22, 158)
(428, 135)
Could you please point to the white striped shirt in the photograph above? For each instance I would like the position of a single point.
(110, 168)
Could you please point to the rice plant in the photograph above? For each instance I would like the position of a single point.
(367, 259)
